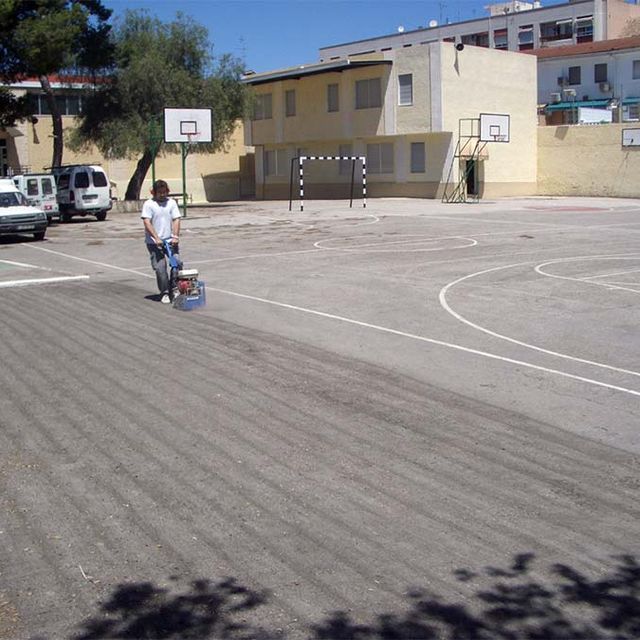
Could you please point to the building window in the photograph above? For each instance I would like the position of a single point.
(600, 73)
(344, 166)
(68, 104)
(290, 102)
(525, 37)
(262, 107)
(574, 75)
(275, 162)
(558, 30)
(405, 89)
(584, 29)
(635, 72)
(631, 112)
(476, 39)
(380, 158)
(368, 93)
(500, 39)
(417, 157)
(333, 98)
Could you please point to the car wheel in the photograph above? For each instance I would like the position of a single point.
(101, 215)
(64, 217)
(40, 235)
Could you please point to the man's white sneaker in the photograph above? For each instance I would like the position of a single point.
(165, 299)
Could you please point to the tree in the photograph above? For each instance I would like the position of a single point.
(158, 65)
(39, 38)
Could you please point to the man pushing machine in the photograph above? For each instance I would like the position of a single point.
(161, 218)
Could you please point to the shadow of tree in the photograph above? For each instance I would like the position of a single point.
(567, 606)
(506, 604)
(205, 610)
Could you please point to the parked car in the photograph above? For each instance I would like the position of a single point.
(17, 215)
(40, 190)
(82, 189)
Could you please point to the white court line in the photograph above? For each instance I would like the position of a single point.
(442, 297)
(608, 275)
(440, 343)
(539, 269)
(365, 248)
(34, 281)
(24, 264)
(99, 264)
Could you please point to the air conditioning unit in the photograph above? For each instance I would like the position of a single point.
(556, 97)
(562, 81)
(604, 87)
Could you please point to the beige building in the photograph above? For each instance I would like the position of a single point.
(27, 147)
(413, 113)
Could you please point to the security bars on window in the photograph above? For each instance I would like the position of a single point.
(302, 159)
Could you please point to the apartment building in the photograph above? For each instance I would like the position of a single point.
(410, 111)
(595, 75)
(512, 26)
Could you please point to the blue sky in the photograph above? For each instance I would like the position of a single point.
(271, 34)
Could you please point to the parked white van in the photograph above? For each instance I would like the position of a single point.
(40, 189)
(82, 189)
(17, 216)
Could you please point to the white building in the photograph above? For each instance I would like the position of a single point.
(514, 25)
(601, 75)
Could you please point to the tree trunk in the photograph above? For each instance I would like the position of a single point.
(56, 118)
(135, 184)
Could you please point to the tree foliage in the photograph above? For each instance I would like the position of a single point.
(158, 65)
(39, 38)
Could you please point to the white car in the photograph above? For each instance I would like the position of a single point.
(82, 189)
(17, 216)
(40, 189)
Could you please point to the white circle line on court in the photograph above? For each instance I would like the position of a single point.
(34, 281)
(399, 246)
(442, 297)
(606, 285)
(441, 343)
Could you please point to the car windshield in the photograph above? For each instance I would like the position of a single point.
(10, 200)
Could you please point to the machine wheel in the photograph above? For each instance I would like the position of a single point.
(101, 215)
(40, 235)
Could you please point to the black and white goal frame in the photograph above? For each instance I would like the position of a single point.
(300, 160)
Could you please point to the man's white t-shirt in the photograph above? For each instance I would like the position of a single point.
(161, 215)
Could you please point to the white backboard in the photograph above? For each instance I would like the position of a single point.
(494, 127)
(631, 137)
(187, 125)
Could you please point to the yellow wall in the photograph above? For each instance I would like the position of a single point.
(417, 117)
(477, 80)
(209, 176)
(587, 161)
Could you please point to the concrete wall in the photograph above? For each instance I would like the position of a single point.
(210, 177)
(478, 80)
(587, 161)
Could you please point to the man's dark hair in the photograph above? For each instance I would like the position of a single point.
(159, 183)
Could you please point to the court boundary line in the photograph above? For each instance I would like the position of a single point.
(445, 305)
(434, 341)
(11, 284)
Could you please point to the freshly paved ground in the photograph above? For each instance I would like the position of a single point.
(413, 420)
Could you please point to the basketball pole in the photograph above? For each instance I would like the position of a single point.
(184, 153)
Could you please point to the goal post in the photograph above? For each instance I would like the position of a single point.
(353, 159)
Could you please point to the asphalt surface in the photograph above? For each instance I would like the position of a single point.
(413, 420)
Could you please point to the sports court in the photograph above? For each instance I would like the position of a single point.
(413, 418)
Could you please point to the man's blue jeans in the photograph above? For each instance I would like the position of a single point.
(159, 262)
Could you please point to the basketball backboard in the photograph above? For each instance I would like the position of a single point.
(631, 137)
(494, 127)
(187, 125)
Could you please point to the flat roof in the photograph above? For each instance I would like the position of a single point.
(293, 73)
(453, 24)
